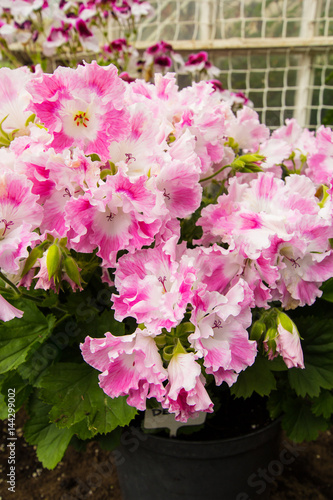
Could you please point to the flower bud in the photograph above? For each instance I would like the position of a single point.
(286, 323)
(288, 343)
(270, 342)
(36, 253)
(72, 270)
(257, 331)
(237, 164)
(252, 158)
(53, 258)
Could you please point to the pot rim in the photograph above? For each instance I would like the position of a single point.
(212, 448)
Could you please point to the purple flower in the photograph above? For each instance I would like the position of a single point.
(163, 61)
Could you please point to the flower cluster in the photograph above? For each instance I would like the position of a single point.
(61, 32)
(65, 26)
(203, 221)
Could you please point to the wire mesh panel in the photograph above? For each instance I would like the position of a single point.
(279, 52)
(224, 19)
(270, 78)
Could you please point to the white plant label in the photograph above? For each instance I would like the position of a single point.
(158, 418)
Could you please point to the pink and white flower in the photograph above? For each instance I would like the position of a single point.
(82, 107)
(220, 335)
(287, 343)
(154, 287)
(117, 215)
(320, 163)
(302, 141)
(20, 214)
(186, 395)
(247, 130)
(130, 365)
(14, 99)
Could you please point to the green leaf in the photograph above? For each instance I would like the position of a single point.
(277, 364)
(300, 423)
(327, 289)
(275, 403)
(73, 390)
(323, 405)
(39, 359)
(51, 441)
(19, 335)
(256, 378)
(22, 389)
(111, 414)
(81, 430)
(317, 347)
(3, 404)
(3, 407)
(94, 157)
(106, 323)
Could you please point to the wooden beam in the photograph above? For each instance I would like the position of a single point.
(245, 43)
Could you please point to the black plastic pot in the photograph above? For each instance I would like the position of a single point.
(154, 468)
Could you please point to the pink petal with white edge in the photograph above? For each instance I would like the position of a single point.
(153, 288)
(20, 214)
(14, 98)
(186, 395)
(7, 311)
(79, 109)
(289, 346)
(131, 366)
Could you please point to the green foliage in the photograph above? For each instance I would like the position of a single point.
(73, 391)
(257, 378)
(22, 390)
(38, 361)
(299, 421)
(317, 347)
(323, 404)
(41, 358)
(327, 289)
(19, 336)
(189, 229)
(3, 407)
(304, 398)
(107, 323)
(51, 441)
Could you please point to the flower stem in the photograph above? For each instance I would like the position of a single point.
(6, 280)
(17, 291)
(215, 173)
(57, 323)
(9, 54)
(29, 297)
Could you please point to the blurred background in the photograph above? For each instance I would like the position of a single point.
(278, 52)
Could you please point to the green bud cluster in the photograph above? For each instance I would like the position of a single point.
(265, 329)
(248, 163)
(58, 260)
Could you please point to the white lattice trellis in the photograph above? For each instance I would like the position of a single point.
(279, 52)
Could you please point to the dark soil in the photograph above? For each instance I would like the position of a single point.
(90, 474)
